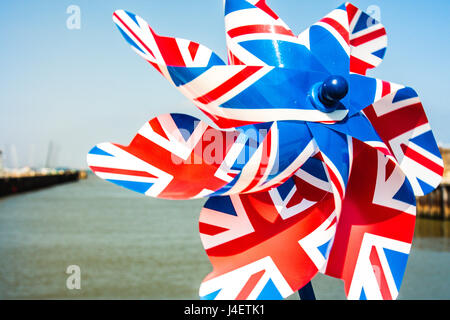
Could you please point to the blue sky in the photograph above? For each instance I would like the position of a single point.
(80, 87)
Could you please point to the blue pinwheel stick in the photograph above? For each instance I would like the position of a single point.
(307, 292)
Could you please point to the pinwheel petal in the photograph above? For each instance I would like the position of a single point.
(359, 127)
(176, 156)
(400, 121)
(257, 36)
(166, 159)
(161, 51)
(365, 91)
(328, 41)
(267, 245)
(336, 150)
(368, 40)
(375, 228)
(347, 39)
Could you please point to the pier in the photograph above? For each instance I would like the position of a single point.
(12, 184)
(25, 179)
(435, 205)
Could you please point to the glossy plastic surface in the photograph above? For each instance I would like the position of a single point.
(315, 173)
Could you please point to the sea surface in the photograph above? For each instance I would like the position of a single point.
(128, 246)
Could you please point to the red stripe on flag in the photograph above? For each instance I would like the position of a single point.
(383, 150)
(169, 50)
(386, 88)
(123, 171)
(228, 85)
(134, 35)
(398, 121)
(351, 12)
(156, 126)
(332, 223)
(338, 27)
(389, 169)
(210, 230)
(368, 37)
(328, 122)
(261, 4)
(336, 182)
(250, 285)
(422, 160)
(233, 60)
(155, 66)
(359, 66)
(193, 48)
(379, 274)
(259, 28)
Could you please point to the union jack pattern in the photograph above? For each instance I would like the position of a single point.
(367, 38)
(379, 197)
(328, 40)
(293, 188)
(242, 227)
(232, 95)
(378, 270)
(357, 36)
(251, 29)
(174, 150)
(402, 125)
(162, 51)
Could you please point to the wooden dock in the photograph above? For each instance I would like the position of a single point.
(436, 205)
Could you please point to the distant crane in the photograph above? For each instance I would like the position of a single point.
(1, 161)
(49, 154)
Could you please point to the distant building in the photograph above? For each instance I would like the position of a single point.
(446, 156)
(1, 161)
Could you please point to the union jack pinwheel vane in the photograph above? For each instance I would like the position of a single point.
(314, 166)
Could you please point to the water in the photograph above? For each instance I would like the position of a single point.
(133, 247)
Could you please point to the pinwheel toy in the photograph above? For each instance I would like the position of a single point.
(312, 167)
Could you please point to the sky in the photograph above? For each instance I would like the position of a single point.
(73, 88)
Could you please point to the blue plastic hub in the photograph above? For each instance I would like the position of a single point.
(332, 90)
(326, 96)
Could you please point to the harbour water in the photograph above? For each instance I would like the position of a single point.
(133, 247)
